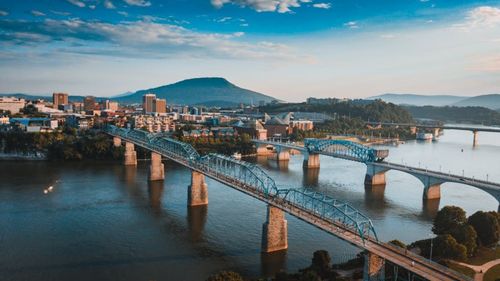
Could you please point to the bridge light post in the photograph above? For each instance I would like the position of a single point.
(486, 177)
(430, 254)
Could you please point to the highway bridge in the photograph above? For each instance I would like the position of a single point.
(324, 212)
(375, 163)
(436, 128)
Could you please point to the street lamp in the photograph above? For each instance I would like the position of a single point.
(430, 254)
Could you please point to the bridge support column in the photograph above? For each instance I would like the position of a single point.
(413, 130)
(117, 142)
(474, 141)
(197, 191)
(282, 154)
(375, 176)
(130, 154)
(274, 231)
(432, 192)
(436, 132)
(374, 268)
(311, 161)
(156, 169)
(262, 150)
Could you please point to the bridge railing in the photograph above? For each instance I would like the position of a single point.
(423, 260)
(252, 177)
(330, 209)
(347, 148)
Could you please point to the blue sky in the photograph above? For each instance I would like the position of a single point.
(291, 49)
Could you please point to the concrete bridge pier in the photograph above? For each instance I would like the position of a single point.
(274, 231)
(130, 154)
(435, 132)
(374, 268)
(282, 154)
(375, 176)
(117, 142)
(262, 150)
(156, 168)
(432, 187)
(413, 130)
(311, 160)
(474, 140)
(197, 191)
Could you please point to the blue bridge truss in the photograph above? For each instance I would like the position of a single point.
(346, 149)
(252, 178)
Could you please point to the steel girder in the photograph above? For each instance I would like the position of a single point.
(330, 209)
(342, 147)
(254, 178)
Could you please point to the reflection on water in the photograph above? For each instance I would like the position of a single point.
(430, 208)
(272, 263)
(155, 192)
(105, 221)
(311, 177)
(197, 217)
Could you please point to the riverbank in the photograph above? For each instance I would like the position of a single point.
(23, 157)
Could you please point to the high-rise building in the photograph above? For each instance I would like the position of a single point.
(159, 106)
(59, 99)
(89, 103)
(147, 103)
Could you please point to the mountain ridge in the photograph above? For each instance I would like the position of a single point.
(198, 91)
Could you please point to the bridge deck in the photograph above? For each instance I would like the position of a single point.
(445, 177)
(412, 262)
(449, 127)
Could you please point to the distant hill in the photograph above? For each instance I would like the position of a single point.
(420, 100)
(488, 101)
(200, 91)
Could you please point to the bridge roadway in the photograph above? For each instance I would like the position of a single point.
(376, 167)
(449, 127)
(402, 258)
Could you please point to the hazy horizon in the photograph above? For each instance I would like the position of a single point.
(288, 49)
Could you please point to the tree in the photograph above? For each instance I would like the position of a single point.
(467, 236)
(225, 276)
(445, 246)
(487, 227)
(449, 219)
(321, 262)
(398, 243)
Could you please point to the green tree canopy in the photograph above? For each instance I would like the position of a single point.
(467, 236)
(487, 227)
(449, 219)
(225, 276)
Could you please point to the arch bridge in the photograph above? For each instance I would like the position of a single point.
(324, 212)
(374, 159)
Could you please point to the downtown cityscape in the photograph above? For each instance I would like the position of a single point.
(231, 140)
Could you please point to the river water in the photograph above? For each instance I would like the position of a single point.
(103, 221)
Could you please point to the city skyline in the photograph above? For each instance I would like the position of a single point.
(289, 49)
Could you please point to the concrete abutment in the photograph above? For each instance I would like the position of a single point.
(374, 268)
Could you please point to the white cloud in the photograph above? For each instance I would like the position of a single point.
(37, 13)
(280, 6)
(140, 3)
(77, 3)
(387, 36)
(3, 13)
(109, 5)
(322, 5)
(123, 13)
(351, 24)
(484, 16)
(150, 40)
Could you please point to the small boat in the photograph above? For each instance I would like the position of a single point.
(424, 136)
(236, 156)
(50, 188)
